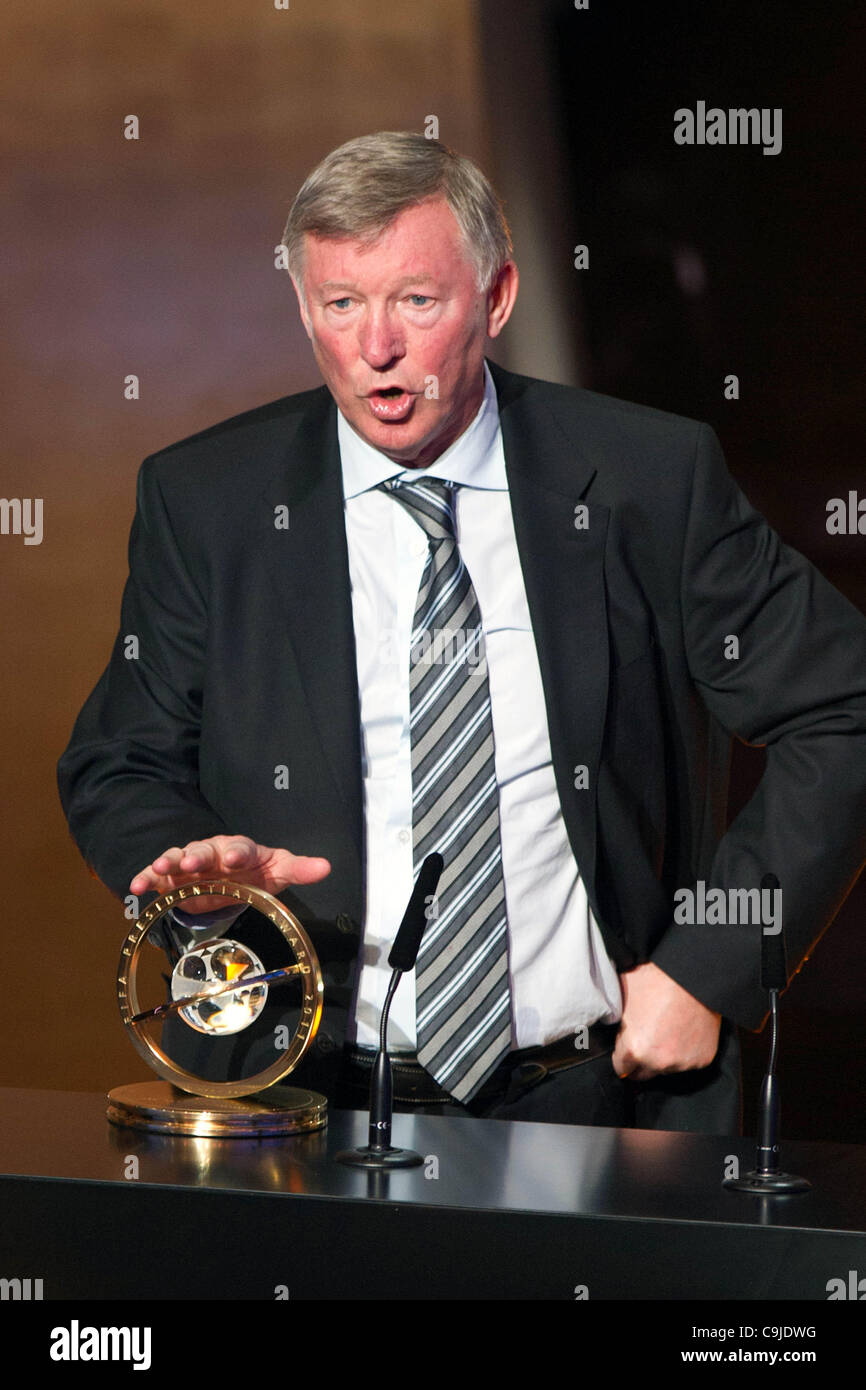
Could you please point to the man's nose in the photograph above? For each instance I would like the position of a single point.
(380, 339)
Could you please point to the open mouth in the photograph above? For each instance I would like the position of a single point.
(391, 403)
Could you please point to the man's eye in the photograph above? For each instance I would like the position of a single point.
(337, 303)
(425, 297)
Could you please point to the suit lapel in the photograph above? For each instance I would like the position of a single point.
(311, 579)
(563, 571)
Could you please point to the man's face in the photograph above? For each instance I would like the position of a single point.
(399, 328)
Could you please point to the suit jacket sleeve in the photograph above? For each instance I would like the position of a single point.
(797, 687)
(129, 778)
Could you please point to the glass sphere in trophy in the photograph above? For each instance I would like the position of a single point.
(226, 1025)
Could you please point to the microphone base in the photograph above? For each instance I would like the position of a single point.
(768, 1184)
(369, 1157)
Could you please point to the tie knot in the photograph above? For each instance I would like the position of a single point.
(431, 502)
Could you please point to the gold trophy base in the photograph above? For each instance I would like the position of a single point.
(160, 1108)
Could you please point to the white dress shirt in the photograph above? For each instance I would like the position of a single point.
(560, 975)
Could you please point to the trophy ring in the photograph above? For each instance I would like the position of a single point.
(219, 986)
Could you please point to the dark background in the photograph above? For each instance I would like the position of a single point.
(718, 259)
(156, 257)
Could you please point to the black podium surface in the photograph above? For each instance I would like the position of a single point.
(499, 1210)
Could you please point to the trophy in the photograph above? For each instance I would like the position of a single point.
(219, 987)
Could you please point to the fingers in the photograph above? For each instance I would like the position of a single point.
(228, 856)
(305, 868)
(142, 883)
(635, 1061)
(221, 853)
(664, 1028)
(625, 1064)
(152, 878)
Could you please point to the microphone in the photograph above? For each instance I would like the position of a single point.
(407, 942)
(766, 1177)
(378, 1152)
(774, 964)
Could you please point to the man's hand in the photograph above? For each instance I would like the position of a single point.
(664, 1028)
(227, 856)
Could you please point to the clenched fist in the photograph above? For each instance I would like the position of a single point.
(664, 1028)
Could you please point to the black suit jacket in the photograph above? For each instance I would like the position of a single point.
(245, 663)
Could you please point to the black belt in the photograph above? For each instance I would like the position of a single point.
(519, 1071)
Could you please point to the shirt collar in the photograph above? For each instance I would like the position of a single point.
(475, 459)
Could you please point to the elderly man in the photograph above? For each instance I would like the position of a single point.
(614, 610)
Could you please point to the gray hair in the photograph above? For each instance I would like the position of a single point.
(360, 188)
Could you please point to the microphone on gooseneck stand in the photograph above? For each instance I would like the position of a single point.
(378, 1152)
(767, 1178)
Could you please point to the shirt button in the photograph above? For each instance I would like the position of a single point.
(404, 837)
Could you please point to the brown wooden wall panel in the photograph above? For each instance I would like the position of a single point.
(153, 257)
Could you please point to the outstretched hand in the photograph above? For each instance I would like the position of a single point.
(227, 856)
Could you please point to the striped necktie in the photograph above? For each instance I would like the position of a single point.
(462, 991)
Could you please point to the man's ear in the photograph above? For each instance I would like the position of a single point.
(305, 318)
(501, 297)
